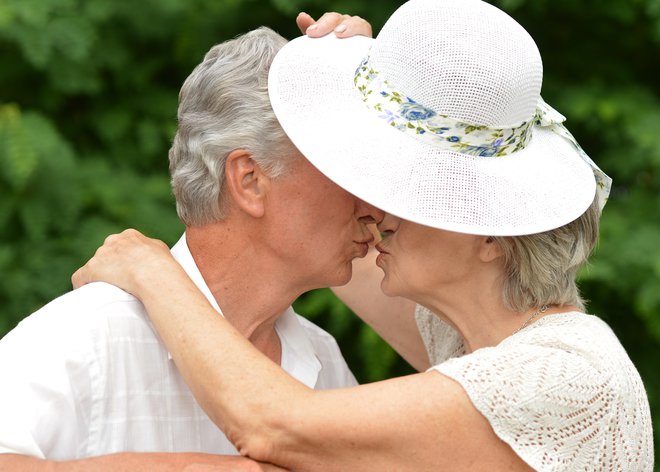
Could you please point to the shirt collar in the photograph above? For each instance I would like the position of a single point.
(299, 358)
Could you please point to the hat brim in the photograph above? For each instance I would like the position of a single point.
(311, 88)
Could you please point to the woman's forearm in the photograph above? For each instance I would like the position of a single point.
(136, 462)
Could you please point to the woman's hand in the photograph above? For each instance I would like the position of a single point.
(125, 260)
(343, 26)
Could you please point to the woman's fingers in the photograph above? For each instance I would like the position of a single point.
(343, 26)
(328, 22)
(353, 26)
(304, 21)
(121, 260)
(78, 278)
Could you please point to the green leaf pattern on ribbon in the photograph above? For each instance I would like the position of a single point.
(407, 115)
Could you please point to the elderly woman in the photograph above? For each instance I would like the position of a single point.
(491, 207)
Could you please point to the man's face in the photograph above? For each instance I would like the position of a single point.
(318, 227)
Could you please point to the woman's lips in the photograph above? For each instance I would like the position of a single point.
(383, 254)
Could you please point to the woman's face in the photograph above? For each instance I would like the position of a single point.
(421, 262)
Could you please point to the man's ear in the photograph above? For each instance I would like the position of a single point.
(246, 182)
(490, 249)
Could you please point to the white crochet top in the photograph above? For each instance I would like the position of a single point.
(562, 392)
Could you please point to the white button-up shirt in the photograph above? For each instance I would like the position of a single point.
(87, 375)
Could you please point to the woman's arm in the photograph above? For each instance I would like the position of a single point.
(137, 462)
(418, 422)
(393, 318)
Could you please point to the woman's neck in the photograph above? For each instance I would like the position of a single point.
(484, 321)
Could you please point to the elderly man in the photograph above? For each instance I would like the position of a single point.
(86, 376)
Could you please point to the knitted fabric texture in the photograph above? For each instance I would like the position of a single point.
(562, 392)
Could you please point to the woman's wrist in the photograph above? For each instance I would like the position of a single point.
(155, 277)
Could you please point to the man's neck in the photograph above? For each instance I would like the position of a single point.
(251, 291)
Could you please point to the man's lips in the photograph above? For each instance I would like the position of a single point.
(379, 248)
(364, 245)
(368, 240)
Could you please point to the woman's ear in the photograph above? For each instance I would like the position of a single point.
(246, 182)
(490, 249)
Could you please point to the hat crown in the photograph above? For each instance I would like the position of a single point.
(350, 107)
(481, 67)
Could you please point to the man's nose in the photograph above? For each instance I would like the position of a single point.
(367, 213)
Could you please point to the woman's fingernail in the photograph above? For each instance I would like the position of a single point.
(311, 28)
(340, 29)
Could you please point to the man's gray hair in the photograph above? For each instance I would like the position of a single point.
(540, 269)
(223, 106)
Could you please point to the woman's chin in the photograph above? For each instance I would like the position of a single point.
(388, 288)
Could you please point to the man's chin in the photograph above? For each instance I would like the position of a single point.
(344, 277)
(343, 282)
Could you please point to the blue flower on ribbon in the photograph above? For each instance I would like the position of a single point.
(486, 152)
(453, 139)
(389, 116)
(413, 111)
(479, 151)
(440, 130)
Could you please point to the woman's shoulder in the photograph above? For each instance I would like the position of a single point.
(566, 377)
(562, 347)
(574, 323)
(565, 330)
(570, 347)
(583, 340)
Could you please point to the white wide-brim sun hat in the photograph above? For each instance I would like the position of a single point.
(438, 120)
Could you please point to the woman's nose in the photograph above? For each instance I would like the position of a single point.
(389, 223)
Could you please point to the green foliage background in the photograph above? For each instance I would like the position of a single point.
(88, 96)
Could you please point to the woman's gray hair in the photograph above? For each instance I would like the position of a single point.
(223, 106)
(540, 269)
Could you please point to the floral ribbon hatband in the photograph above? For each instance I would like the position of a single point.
(405, 114)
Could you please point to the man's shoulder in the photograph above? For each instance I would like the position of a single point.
(93, 307)
(94, 298)
(96, 294)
